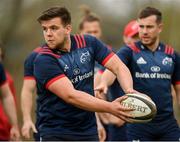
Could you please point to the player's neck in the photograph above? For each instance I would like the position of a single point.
(67, 45)
(153, 46)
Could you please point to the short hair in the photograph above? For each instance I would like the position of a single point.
(149, 11)
(54, 12)
(88, 17)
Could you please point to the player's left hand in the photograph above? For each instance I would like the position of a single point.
(14, 133)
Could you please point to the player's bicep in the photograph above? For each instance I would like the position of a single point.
(62, 87)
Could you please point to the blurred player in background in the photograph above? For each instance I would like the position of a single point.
(117, 127)
(91, 24)
(8, 119)
(154, 67)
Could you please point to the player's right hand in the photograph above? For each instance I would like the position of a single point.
(101, 91)
(121, 111)
(27, 126)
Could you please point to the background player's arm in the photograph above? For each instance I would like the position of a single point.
(116, 66)
(10, 109)
(177, 90)
(28, 88)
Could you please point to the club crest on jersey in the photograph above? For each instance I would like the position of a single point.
(141, 61)
(167, 61)
(85, 57)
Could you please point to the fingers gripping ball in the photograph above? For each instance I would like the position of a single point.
(144, 108)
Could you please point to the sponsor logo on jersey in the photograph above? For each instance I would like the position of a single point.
(167, 61)
(85, 57)
(76, 71)
(155, 69)
(141, 61)
(152, 75)
(82, 77)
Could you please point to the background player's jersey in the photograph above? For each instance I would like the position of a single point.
(77, 65)
(153, 73)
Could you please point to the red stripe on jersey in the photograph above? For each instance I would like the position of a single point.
(165, 51)
(177, 82)
(39, 49)
(50, 53)
(83, 40)
(134, 47)
(3, 83)
(80, 41)
(107, 58)
(100, 71)
(29, 78)
(169, 50)
(77, 42)
(53, 80)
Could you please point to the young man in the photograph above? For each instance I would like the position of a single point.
(8, 107)
(64, 77)
(154, 67)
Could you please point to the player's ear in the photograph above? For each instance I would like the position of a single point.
(68, 29)
(160, 27)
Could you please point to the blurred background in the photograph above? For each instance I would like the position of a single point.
(20, 33)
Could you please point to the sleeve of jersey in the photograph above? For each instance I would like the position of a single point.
(47, 70)
(125, 54)
(99, 68)
(28, 66)
(2, 76)
(176, 74)
(102, 52)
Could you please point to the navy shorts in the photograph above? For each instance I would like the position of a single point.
(167, 130)
(69, 138)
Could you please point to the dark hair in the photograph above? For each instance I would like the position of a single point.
(149, 11)
(88, 16)
(54, 12)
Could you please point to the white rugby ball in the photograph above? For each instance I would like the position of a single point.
(144, 108)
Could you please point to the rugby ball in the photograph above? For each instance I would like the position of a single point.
(144, 108)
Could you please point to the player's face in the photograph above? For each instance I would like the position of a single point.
(55, 33)
(149, 30)
(92, 28)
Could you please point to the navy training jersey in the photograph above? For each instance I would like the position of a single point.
(29, 62)
(2, 75)
(153, 73)
(56, 117)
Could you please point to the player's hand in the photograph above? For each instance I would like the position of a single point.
(115, 120)
(121, 111)
(101, 91)
(27, 126)
(14, 133)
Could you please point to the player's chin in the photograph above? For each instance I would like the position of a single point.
(51, 46)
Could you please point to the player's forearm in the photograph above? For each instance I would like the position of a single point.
(26, 105)
(87, 102)
(108, 78)
(177, 90)
(10, 109)
(124, 78)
